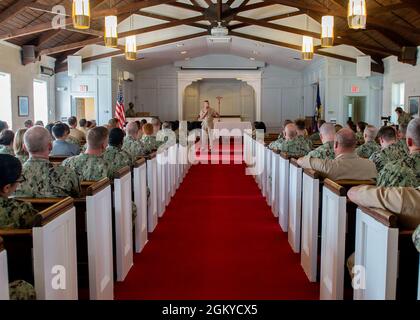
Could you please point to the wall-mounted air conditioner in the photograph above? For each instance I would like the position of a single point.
(46, 71)
(127, 76)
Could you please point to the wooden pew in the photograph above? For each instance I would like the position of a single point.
(140, 199)
(47, 251)
(386, 256)
(295, 205)
(152, 207)
(337, 223)
(161, 182)
(122, 203)
(311, 203)
(4, 274)
(57, 160)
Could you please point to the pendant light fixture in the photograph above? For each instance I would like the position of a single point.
(81, 14)
(327, 36)
(131, 45)
(111, 30)
(357, 14)
(307, 45)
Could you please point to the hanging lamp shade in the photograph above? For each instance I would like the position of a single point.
(307, 48)
(327, 36)
(131, 48)
(81, 14)
(111, 33)
(357, 14)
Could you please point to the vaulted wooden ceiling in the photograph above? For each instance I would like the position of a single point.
(392, 24)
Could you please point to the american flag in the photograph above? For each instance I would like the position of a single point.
(119, 108)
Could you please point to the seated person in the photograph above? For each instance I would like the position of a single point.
(19, 146)
(113, 123)
(60, 146)
(42, 178)
(346, 165)
(326, 150)
(14, 214)
(360, 129)
(275, 145)
(148, 140)
(6, 142)
(28, 124)
(166, 134)
(70, 138)
(402, 137)
(74, 132)
(302, 133)
(390, 150)
(114, 155)
(370, 146)
(131, 143)
(292, 145)
(316, 136)
(91, 166)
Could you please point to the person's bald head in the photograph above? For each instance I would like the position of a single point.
(370, 133)
(37, 140)
(132, 129)
(413, 134)
(327, 132)
(97, 138)
(290, 131)
(345, 141)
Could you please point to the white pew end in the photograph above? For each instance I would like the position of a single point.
(4, 275)
(168, 184)
(267, 169)
(283, 176)
(161, 182)
(295, 205)
(310, 224)
(140, 199)
(275, 196)
(152, 212)
(376, 255)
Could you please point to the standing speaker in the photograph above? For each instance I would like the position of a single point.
(74, 64)
(28, 54)
(364, 66)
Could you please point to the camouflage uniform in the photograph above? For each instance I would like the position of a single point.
(296, 147)
(165, 135)
(116, 159)
(315, 137)
(15, 214)
(7, 150)
(276, 145)
(88, 167)
(367, 149)
(44, 180)
(391, 153)
(416, 238)
(403, 172)
(133, 147)
(22, 157)
(360, 137)
(306, 140)
(21, 290)
(402, 143)
(326, 151)
(404, 118)
(150, 143)
(73, 140)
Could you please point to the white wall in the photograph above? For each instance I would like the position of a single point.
(96, 76)
(400, 72)
(22, 81)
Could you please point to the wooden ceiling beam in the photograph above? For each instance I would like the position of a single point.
(11, 11)
(230, 2)
(195, 3)
(187, 6)
(165, 18)
(375, 67)
(209, 2)
(99, 40)
(219, 10)
(63, 67)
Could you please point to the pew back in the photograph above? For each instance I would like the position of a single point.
(152, 212)
(140, 199)
(161, 182)
(4, 275)
(275, 195)
(295, 205)
(283, 176)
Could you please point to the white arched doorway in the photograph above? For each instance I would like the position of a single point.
(188, 77)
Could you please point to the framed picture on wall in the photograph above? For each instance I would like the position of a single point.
(23, 106)
(413, 103)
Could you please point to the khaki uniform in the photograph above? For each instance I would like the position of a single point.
(404, 118)
(116, 159)
(130, 113)
(16, 214)
(44, 180)
(404, 172)
(326, 151)
(78, 134)
(296, 147)
(391, 153)
(207, 126)
(344, 167)
(7, 150)
(88, 167)
(367, 149)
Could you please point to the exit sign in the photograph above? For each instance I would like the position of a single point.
(83, 88)
(355, 89)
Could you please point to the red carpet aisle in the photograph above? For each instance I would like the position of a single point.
(217, 240)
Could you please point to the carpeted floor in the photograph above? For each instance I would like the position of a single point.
(217, 240)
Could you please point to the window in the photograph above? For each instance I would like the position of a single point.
(398, 98)
(6, 103)
(40, 101)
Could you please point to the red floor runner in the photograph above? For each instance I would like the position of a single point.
(217, 240)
